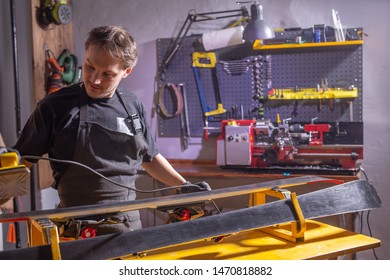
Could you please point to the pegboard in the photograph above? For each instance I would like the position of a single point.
(245, 75)
(340, 66)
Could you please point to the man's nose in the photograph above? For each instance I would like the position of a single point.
(96, 79)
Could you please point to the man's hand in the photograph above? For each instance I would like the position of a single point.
(197, 187)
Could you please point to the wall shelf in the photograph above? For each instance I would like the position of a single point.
(258, 46)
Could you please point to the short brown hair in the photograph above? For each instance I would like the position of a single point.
(117, 41)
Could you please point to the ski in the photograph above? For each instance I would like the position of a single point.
(349, 197)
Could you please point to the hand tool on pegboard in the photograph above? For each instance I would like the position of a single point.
(207, 60)
(184, 121)
(176, 95)
(262, 76)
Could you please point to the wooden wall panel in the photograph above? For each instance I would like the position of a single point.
(56, 38)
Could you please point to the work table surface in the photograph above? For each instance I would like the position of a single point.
(208, 169)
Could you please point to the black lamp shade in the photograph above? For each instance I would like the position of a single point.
(257, 27)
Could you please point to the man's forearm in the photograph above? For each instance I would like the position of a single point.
(163, 171)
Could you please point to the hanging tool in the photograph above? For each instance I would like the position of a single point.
(71, 73)
(54, 81)
(210, 59)
(207, 60)
(176, 95)
(62, 71)
(236, 67)
(185, 125)
(200, 89)
(53, 12)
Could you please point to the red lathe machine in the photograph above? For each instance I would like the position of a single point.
(258, 144)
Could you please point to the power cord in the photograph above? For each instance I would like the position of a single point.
(188, 184)
(30, 157)
(361, 214)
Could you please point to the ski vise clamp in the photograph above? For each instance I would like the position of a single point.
(44, 232)
(293, 231)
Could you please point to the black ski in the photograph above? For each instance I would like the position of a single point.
(344, 198)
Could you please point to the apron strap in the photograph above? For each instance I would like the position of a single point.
(83, 104)
(125, 104)
(134, 118)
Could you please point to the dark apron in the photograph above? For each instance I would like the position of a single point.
(116, 155)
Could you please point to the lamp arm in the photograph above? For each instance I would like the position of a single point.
(191, 18)
(174, 46)
(243, 12)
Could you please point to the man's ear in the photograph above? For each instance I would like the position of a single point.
(127, 72)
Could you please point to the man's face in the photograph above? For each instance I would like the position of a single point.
(101, 72)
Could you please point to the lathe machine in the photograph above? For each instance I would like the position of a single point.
(260, 144)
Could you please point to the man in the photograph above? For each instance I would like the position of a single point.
(96, 124)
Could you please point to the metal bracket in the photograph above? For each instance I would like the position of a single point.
(296, 230)
(43, 232)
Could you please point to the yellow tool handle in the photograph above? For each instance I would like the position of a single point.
(210, 57)
(218, 111)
